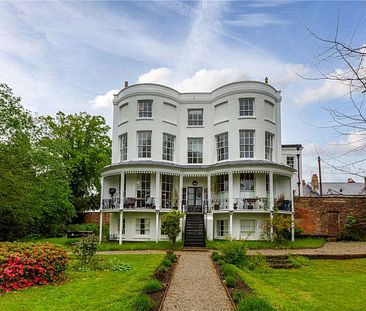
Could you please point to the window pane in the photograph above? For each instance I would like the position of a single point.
(246, 141)
(222, 146)
(144, 144)
(268, 141)
(168, 147)
(145, 108)
(123, 147)
(195, 116)
(195, 150)
(247, 182)
(246, 106)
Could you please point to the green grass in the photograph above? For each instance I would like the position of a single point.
(321, 285)
(93, 290)
(299, 243)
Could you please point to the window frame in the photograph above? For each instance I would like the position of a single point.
(123, 147)
(142, 226)
(243, 230)
(244, 109)
(292, 158)
(247, 148)
(140, 148)
(247, 179)
(222, 146)
(195, 121)
(222, 228)
(167, 191)
(268, 146)
(168, 150)
(194, 158)
(146, 111)
(143, 189)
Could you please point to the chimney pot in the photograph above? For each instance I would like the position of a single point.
(126, 83)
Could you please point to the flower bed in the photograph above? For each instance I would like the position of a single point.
(27, 264)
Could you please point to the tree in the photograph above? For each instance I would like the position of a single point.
(170, 224)
(34, 192)
(281, 225)
(348, 121)
(85, 148)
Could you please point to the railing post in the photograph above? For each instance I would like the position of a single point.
(101, 210)
(209, 207)
(180, 193)
(120, 226)
(231, 191)
(292, 212)
(271, 203)
(157, 190)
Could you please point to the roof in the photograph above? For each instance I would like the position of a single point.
(292, 146)
(344, 188)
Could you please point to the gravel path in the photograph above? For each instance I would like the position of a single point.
(196, 286)
(329, 248)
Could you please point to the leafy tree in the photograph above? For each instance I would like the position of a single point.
(171, 224)
(85, 148)
(34, 191)
(281, 225)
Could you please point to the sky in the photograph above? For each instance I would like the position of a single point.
(73, 56)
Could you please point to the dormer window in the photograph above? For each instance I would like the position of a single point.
(246, 107)
(145, 108)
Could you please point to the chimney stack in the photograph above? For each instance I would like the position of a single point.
(350, 181)
(126, 83)
(314, 182)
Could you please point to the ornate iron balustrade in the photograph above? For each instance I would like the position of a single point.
(220, 204)
(251, 204)
(112, 203)
(284, 205)
(139, 203)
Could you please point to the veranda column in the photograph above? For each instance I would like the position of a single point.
(157, 191)
(209, 194)
(292, 212)
(271, 203)
(101, 210)
(157, 227)
(231, 224)
(121, 202)
(231, 191)
(180, 193)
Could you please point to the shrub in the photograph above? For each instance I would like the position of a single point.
(235, 252)
(170, 224)
(221, 261)
(166, 262)
(230, 280)
(227, 269)
(27, 264)
(143, 303)
(90, 227)
(171, 256)
(281, 225)
(257, 262)
(238, 295)
(298, 261)
(253, 303)
(354, 229)
(85, 250)
(215, 256)
(152, 286)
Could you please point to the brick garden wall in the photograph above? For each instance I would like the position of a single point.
(93, 217)
(326, 216)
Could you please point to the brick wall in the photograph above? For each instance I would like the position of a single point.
(93, 217)
(326, 216)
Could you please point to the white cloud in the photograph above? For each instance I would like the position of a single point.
(255, 20)
(103, 101)
(161, 75)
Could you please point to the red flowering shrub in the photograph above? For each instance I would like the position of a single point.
(27, 264)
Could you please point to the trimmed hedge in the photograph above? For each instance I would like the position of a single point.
(27, 264)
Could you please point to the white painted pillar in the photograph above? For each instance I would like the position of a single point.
(292, 212)
(271, 203)
(157, 227)
(121, 190)
(180, 193)
(120, 226)
(209, 199)
(157, 191)
(231, 224)
(231, 191)
(101, 210)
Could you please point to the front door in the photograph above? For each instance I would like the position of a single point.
(194, 199)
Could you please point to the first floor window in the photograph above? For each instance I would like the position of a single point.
(222, 227)
(267, 183)
(247, 182)
(144, 144)
(222, 146)
(142, 226)
(246, 142)
(268, 142)
(123, 226)
(195, 150)
(246, 107)
(168, 147)
(222, 183)
(142, 189)
(290, 161)
(145, 108)
(247, 226)
(167, 191)
(123, 146)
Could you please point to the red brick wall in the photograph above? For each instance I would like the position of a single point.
(93, 218)
(326, 216)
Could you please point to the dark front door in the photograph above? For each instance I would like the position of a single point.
(194, 195)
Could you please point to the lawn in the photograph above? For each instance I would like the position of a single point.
(321, 285)
(93, 290)
(299, 243)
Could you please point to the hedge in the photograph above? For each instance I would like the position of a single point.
(28, 264)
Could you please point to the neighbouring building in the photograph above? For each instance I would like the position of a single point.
(215, 156)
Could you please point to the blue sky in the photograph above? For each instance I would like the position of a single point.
(72, 56)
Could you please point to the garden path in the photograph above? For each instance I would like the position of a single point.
(195, 285)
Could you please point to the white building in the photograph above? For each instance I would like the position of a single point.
(216, 154)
